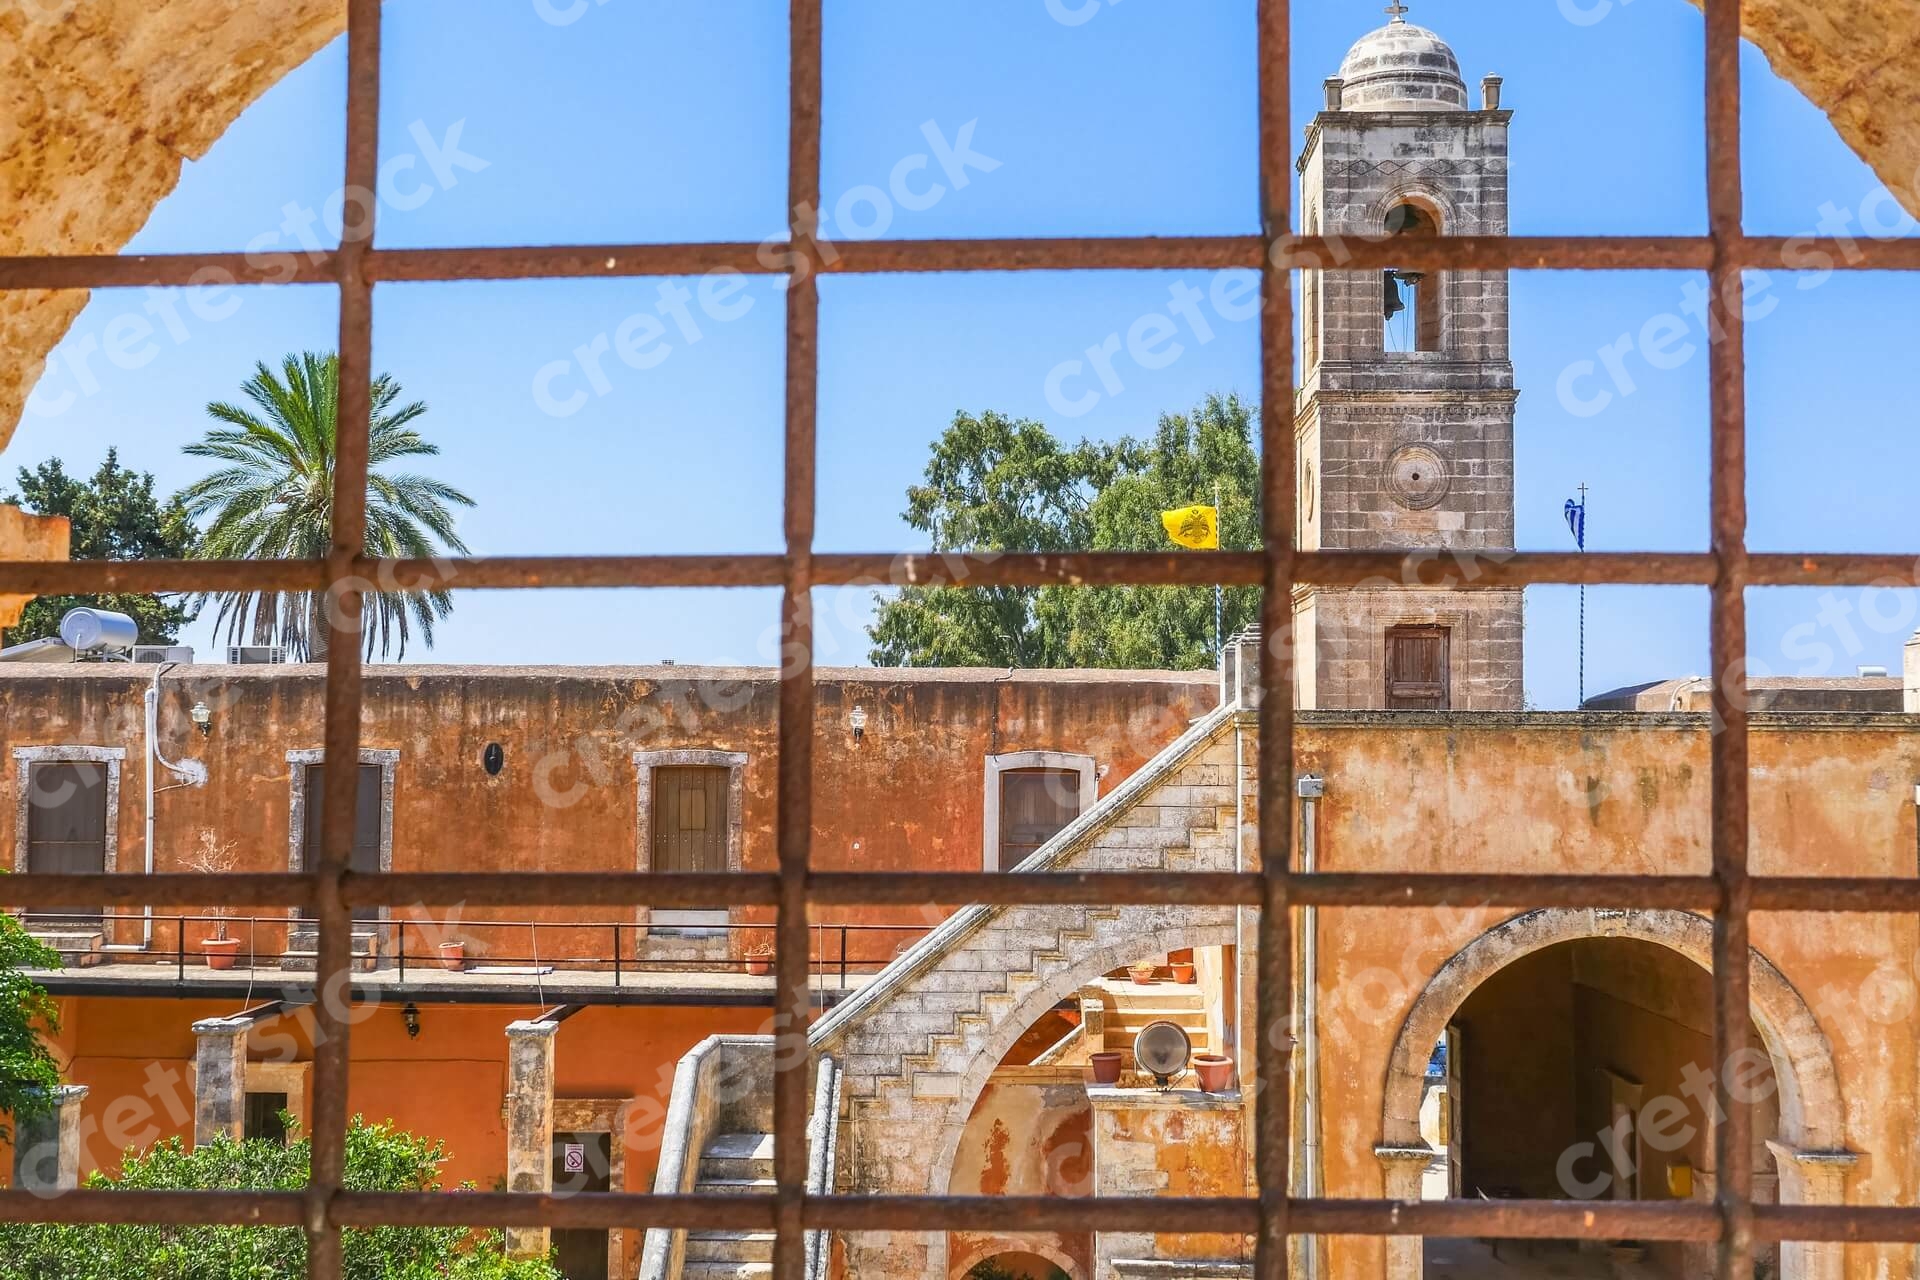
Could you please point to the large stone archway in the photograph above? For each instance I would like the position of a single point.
(1812, 1154)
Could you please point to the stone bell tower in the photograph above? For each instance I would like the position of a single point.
(1406, 405)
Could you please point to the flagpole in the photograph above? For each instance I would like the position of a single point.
(1219, 594)
(1583, 599)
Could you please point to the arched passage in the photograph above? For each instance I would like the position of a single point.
(1811, 1151)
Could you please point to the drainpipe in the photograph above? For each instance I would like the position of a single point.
(1310, 787)
(192, 771)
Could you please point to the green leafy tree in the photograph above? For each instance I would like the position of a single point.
(274, 499)
(27, 1015)
(996, 484)
(379, 1158)
(115, 516)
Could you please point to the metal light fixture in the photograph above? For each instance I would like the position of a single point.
(202, 716)
(857, 720)
(411, 1016)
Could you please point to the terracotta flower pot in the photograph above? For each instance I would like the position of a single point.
(1142, 974)
(220, 952)
(1215, 1071)
(453, 956)
(1106, 1067)
(761, 965)
(1182, 971)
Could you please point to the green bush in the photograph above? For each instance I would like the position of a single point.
(379, 1158)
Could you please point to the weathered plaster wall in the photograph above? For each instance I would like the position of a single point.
(908, 796)
(1619, 794)
(1027, 1136)
(448, 1084)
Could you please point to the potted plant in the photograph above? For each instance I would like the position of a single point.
(1182, 971)
(1142, 971)
(213, 858)
(453, 956)
(1106, 1066)
(760, 958)
(1215, 1072)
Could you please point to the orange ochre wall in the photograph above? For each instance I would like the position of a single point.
(135, 1055)
(909, 795)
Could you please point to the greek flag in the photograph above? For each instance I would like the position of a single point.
(1577, 522)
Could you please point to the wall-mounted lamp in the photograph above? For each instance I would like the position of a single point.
(202, 717)
(411, 1016)
(857, 721)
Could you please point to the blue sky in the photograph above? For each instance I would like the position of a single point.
(589, 121)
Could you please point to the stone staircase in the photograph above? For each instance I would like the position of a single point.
(732, 1164)
(303, 950)
(1128, 1007)
(78, 944)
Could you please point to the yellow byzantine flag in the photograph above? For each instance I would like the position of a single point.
(1197, 528)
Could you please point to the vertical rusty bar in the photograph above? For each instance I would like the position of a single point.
(1272, 1041)
(794, 799)
(1733, 1141)
(332, 969)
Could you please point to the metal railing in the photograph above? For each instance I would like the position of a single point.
(832, 952)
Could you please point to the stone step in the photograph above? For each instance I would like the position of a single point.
(738, 1156)
(78, 948)
(729, 1246)
(733, 1186)
(717, 1270)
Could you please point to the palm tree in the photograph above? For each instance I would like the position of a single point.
(274, 500)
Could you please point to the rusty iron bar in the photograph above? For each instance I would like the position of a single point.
(1085, 568)
(901, 569)
(1839, 895)
(1727, 641)
(344, 617)
(1092, 253)
(793, 796)
(1272, 1117)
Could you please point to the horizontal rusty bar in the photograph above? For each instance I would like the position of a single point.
(162, 270)
(1099, 253)
(880, 888)
(586, 1210)
(169, 1208)
(1849, 569)
(1066, 253)
(560, 262)
(1448, 569)
(45, 889)
(1870, 1224)
(1512, 1219)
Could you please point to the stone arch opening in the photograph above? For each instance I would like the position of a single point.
(1810, 1152)
(1018, 1260)
(1414, 302)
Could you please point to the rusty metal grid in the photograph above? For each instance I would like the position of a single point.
(331, 890)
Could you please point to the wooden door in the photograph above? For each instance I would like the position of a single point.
(367, 825)
(1034, 805)
(581, 1162)
(67, 826)
(690, 818)
(1417, 669)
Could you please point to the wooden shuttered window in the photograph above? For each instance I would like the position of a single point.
(690, 818)
(367, 825)
(67, 823)
(1034, 805)
(1417, 669)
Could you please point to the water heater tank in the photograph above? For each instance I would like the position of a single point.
(91, 630)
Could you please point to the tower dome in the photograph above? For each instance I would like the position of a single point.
(1402, 67)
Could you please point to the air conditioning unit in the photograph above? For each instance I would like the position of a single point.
(255, 655)
(180, 653)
